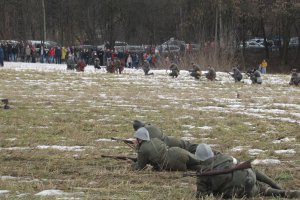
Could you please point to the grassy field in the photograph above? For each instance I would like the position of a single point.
(55, 132)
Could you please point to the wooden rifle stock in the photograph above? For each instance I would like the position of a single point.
(240, 166)
(120, 157)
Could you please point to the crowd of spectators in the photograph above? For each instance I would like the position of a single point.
(31, 53)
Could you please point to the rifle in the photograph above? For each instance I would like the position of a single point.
(240, 166)
(130, 143)
(134, 159)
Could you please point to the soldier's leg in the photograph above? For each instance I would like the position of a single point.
(291, 194)
(265, 179)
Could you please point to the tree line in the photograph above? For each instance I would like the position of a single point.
(226, 23)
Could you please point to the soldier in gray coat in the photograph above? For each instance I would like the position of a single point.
(237, 75)
(295, 78)
(195, 71)
(156, 153)
(239, 183)
(174, 70)
(155, 132)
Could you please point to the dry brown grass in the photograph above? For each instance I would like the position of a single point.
(68, 109)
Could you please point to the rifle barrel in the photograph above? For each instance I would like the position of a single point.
(240, 166)
(120, 157)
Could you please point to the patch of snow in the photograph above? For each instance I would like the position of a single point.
(239, 148)
(255, 151)
(206, 127)
(51, 193)
(7, 177)
(286, 139)
(287, 151)
(266, 162)
(188, 138)
(11, 139)
(189, 126)
(16, 148)
(62, 148)
(2, 192)
(22, 195)
(105, 140)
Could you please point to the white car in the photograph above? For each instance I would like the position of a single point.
(252, 44)
(294, 42)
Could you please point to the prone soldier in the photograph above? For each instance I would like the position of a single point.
(237, 75)
(235, 183)
(195, 71)
(97, 63)
(146, 68)
(80, 66)
(211, 74)
(155, 132)
(71, 65)
(160, 156)
(174, 70)
(295, 78)
(255, 76)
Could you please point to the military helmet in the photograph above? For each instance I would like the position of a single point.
(142, 134)
(137, 124)
(204, 152)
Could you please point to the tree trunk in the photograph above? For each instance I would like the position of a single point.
(44, 21)
(264, 36)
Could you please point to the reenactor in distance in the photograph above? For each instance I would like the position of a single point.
(233, 182)
(156, 153)
(255, 76)
(146, 68)
(236, 74)
(211, 74)
(295, 78)
(174, 70)
(118, 66)
(97, 63)
(5, 101)
(110, 68)
(155, 132)
(71, 64)
(195, 71)
(80, 66)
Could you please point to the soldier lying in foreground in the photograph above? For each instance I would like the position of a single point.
(156, 153)
(237, 183)
(155, 132)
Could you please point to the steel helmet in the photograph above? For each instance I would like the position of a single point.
(142, 134)
(137, 124)
(204, 152)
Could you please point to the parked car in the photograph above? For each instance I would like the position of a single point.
(294, 42)
(170, 44)
(252, 44)
(194, 47)
(164, 49)
(135, 49)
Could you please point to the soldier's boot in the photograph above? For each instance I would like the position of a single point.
(291, 194)
(274, 192)
(265, 179)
